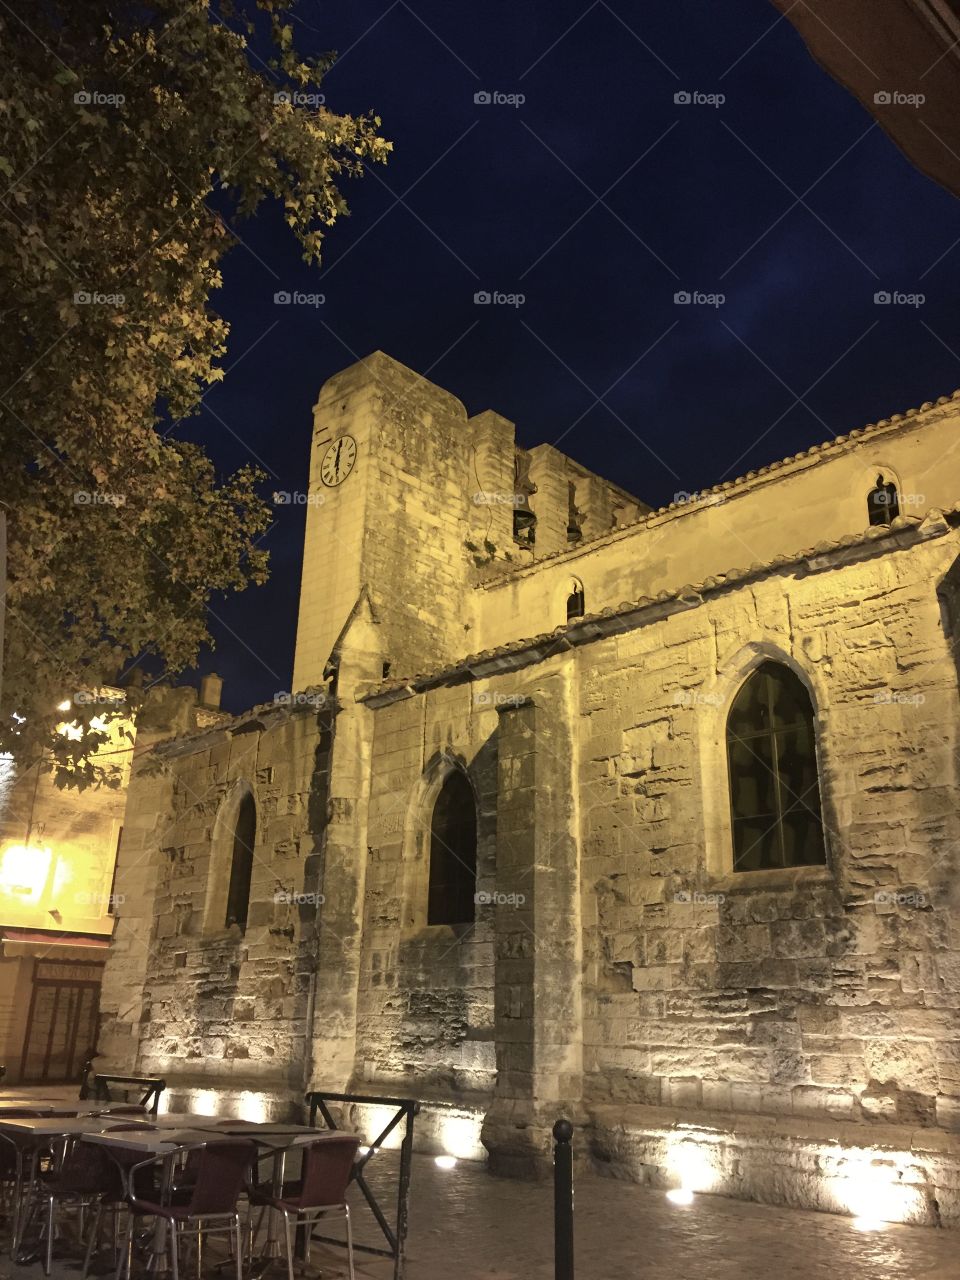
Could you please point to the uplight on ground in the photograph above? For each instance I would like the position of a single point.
(680, 1195)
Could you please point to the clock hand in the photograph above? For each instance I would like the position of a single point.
(336, 461)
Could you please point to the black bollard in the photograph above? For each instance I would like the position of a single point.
(563, 1200)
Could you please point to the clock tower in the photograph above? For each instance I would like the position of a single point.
(391, 504)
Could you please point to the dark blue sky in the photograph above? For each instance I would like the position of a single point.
(599, 198)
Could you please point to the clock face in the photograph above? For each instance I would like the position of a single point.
(338, 461)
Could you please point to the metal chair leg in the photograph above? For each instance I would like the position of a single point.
(346, 1211)
(48, 1258)
(237, 1237)
(94, 1239)
(308, 1225)
(174, 1249)
(289, 1234)
(127, 1254)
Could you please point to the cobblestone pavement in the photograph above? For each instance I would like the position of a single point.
(466, 1225)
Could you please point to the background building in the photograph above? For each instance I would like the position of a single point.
(58, 896)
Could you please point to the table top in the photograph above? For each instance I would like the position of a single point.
(54, 1126)
(189, 1120)
(257, 1128)
(48, 1108)
(162, 1141)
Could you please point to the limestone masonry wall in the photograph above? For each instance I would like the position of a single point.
(819, 990)
(193, 992)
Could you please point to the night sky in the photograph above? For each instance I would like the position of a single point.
(599, 198)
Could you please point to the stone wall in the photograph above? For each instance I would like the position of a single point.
(426, 993)
(819, 495)
(831, 991)
(184, 993)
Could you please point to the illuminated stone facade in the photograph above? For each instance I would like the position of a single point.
(788, 1031)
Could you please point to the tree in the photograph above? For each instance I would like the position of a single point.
(130, 138)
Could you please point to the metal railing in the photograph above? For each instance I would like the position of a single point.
(101, 1089)
(407, 1109)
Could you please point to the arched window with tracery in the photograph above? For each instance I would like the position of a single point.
(774, 778)
(883, 502)
(453, 853)
(241, 863)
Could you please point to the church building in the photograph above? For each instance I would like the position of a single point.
(646, 818)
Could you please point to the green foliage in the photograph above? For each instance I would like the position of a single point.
(121, 127)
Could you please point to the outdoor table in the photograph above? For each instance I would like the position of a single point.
(28, 1134)
(48, 1107)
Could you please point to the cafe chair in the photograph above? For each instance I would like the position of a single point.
(84, 1177)
(206, 1206)
(20, 1164)
(321, 1189)
(12, 1165)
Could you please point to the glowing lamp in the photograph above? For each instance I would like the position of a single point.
(24, 871)
(445, 1162)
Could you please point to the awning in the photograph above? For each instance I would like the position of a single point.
(46, 942)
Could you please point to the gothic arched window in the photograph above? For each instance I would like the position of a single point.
(575, 600)
(883, 502)
(241, 864)
(453, 853)
(774, 780)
